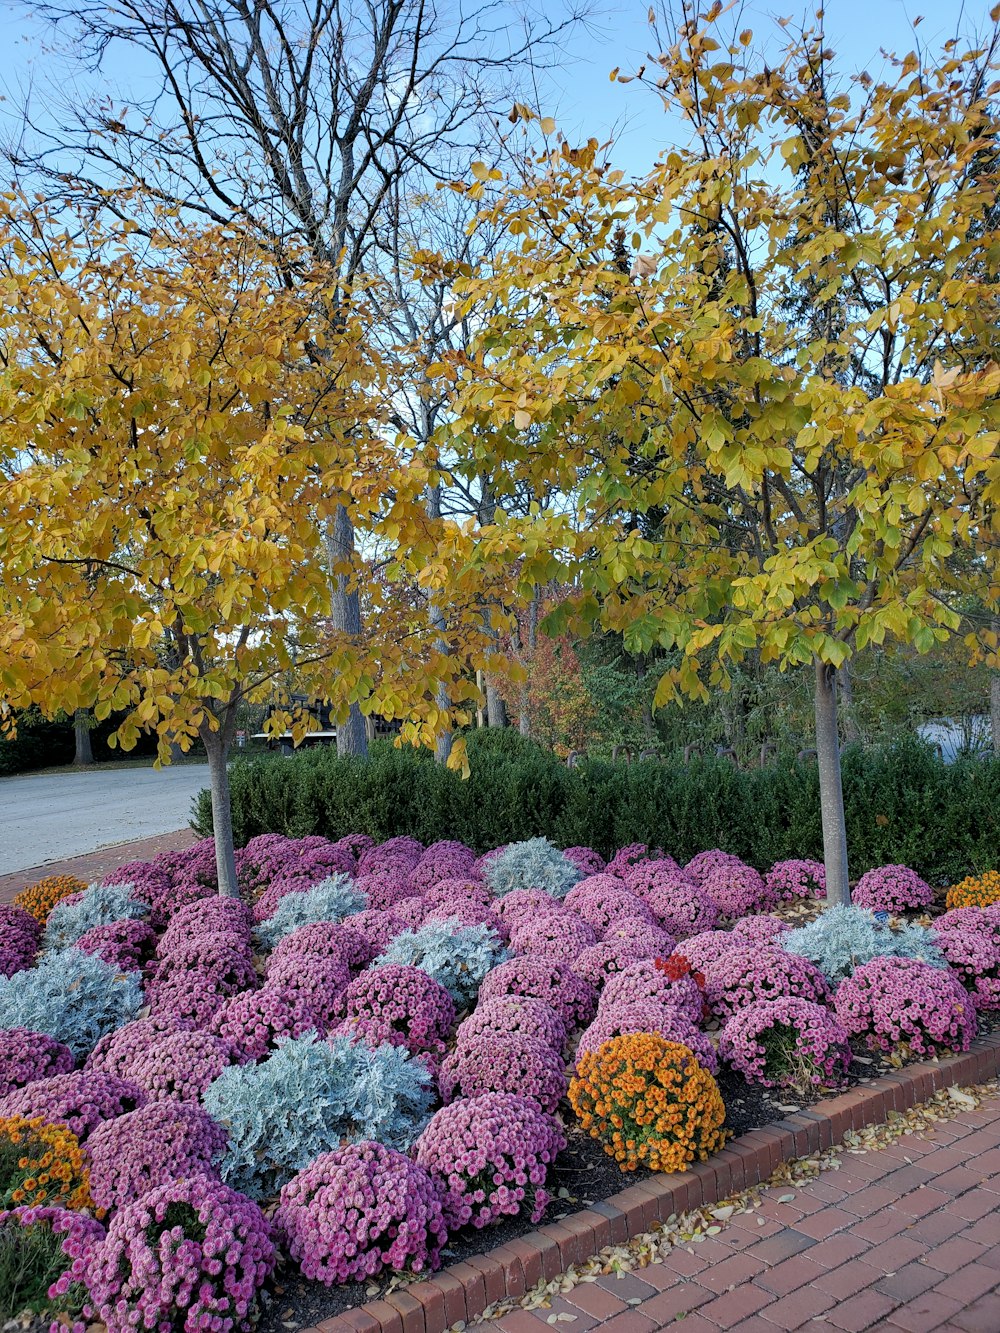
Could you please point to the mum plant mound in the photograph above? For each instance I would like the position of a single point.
(679, 904)
(26, 1056)
(649, 1016)
(80, 1100)
(634, 854)
(706, 863)
(844, 938)
(127, 945)
(504, 1062)
(534, 864)
(790, 880)
(741, 976)
(589, 861)
(892, 889)
(975, 891)
(522, 904)
(401, 1005)
(252, 1023)
(735, 888)
(762, 929)
(309, 1097)
(116, 1052)
(975, 959)
(41, 1163)
(326, 939)
(153, 1146)
(39, 899)
(669, 982)
(359, 1210)
(907, 1007)
(190, 921)
(44, 1253)
(604, 959)
(787, 1043)
(375, 926)
(649, 1102)
(489, 1157)
(312, 987)
(20, 935)
(602, 899)
(150, 885)
(72, 996)
(514, 1014)
(179, 1066)
(707, 947)
(573, 999)
(559, 936)
(189, 1255)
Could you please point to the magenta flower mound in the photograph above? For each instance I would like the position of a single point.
(489, 1157)
(401, 1005)
(117, 1051)
(706, 948)
(159, 1143)
(513, 1013)
(648, 940)
(26, 1057)
(253, 1022)
(906, 1005)
(975, 959)
(627, 857)
(312, 988)
(387, 885)
(267, 904)
(393, 849)
(644, 981)
(573, 999)
(609, 956)
(758, 930)
(179, 1067)
(410, 912)
(676, 901)
(325, 939)
(451, 893)
(788, 880)
(443, 864)
(522, 905)
(892, 889)
(601, 899)
(189, 1000)
(787, 1043)
(194, 865)
(189, 1255)
(127, 944)
(80, 1100)
(980, 921)
(556, 935)
(359, 1210)
(589, 861)
(504, 1062)
(272, 856)
(377, 927)
(703, 862)
(20, 935)
(229, 915)
(649, 1016)
(219, 955)
(82, 1235)
(736, 888)
(742, 976)
(155, 886)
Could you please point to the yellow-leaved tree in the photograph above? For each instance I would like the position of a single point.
(176, 428)
(765, 372)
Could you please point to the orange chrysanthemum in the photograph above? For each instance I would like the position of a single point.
(649, 1101)
(41, 1164)
(39, 899)
(976, 891)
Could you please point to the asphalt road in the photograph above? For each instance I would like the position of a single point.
(52, 816)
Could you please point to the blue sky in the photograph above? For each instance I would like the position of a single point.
(585, 102)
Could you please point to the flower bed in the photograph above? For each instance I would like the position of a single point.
(383, 1050)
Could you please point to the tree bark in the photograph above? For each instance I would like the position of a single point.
(84, 755)
(845, 682)
(496, 709)
(217, 749)
(345, 613)
(831, 790)
(436, 615)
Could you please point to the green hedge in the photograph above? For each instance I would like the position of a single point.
(903, 804)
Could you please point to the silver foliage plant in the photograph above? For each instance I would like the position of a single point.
(73, 996)
(330, 900)
(99, 905)
(843, 938)
(456, 956)
(308, 1098)
(534, 864)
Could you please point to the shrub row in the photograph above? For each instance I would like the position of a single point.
(903, 803)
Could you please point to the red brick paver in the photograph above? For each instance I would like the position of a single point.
(904, 1239)
(95, 865)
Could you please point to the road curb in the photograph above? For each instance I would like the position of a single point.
(462, 1291)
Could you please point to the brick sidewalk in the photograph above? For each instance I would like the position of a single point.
(905, 1239)
(95, 865)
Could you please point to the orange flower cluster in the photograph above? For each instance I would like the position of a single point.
(648, 1101)
(39, 899)
(41, 1164)
(976, 891)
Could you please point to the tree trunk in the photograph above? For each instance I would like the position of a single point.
(345, 613)
(995, 699)
(217, 749)
(436, 615)
(84, 755)
(831, 791)
(845, 683)
(496, 710)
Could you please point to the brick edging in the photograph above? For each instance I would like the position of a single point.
(464, 1290)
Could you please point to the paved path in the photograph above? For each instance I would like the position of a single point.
(96, 865)
(50, 817)
(905, 1239)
